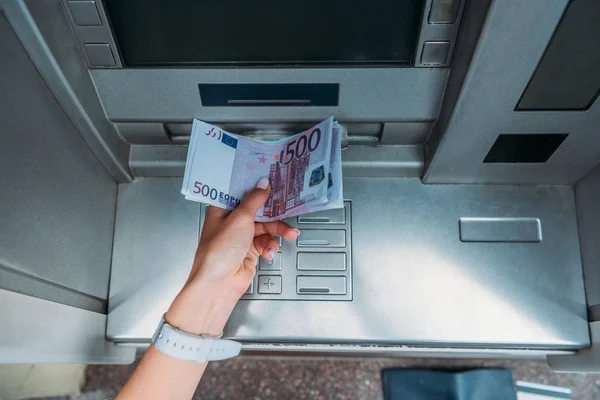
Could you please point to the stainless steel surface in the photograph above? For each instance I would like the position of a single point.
(30, 285)
(587, 198)
(500, 230)
(36, 331)
(393, 351)
(538, 391)
(277, 130)
(156, 235)
(480, 107)
(586, 360)
(369, 350)
(382, 161)
(414, 283)
(311, 261)
(144, 133)
(45, 34)
(357, 161)
(276, 280)
(352, 133)
(432, 31)
(406, 133)
(366, 94)
(57, 203)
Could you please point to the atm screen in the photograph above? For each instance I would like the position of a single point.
(265, 32)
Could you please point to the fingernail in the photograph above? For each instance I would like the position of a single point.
(271, 252)
(297, 232)
(263, 183)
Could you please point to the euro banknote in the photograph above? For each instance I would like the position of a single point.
(304, 170)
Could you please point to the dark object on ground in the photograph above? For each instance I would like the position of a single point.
(481, 384)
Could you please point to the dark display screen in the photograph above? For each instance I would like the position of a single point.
(265, 32)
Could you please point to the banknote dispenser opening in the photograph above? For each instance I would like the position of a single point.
(468, 223)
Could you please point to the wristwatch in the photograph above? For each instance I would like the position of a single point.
(186, 346)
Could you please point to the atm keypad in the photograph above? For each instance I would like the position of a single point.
(316, 266)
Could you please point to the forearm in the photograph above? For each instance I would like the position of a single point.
(198, 309)
(162, 377)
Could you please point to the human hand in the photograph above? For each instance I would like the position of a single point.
(225, 263)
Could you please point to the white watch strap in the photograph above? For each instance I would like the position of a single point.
(185, 346)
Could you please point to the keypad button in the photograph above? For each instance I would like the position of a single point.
(99, 54)
(321, 285)
(269, 284)
(85, 13)
(321, 262)
(322, 238)
(337, 216)
(270, 265)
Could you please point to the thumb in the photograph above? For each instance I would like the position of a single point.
(255, 199)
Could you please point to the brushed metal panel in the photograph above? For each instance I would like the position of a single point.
(483, 89)
(58, 201)
(500, 230)
(396, 161)
(156, 235)
(366, 94)
(585, 360)
(587, 196)
(44, 32)
(37, 331)
(414, 282)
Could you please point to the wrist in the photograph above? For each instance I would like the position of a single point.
(201, 308)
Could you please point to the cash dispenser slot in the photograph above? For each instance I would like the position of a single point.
(269, 95)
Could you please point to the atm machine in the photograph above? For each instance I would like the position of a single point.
(471, 145)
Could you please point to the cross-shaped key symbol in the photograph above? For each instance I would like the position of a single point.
(269, 284)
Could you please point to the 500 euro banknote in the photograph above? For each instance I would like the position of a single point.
(304, 170)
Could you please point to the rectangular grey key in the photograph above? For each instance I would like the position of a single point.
(270, 265)
(322, 238)
(250, 289)
(321, 262)
(84, 13)
(337, 216)
(500, 230)
(99, 54)
(269, 284)
(321, 285)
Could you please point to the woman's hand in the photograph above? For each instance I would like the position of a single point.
(225, 263)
